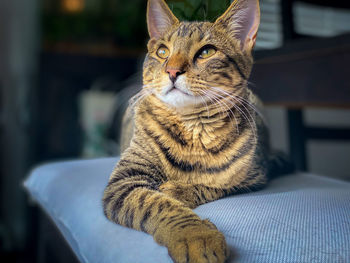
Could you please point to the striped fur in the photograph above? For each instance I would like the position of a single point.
(186, 153)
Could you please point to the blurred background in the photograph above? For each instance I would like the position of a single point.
(68, 68)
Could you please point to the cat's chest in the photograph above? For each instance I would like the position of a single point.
(201, 136)
(203, 152)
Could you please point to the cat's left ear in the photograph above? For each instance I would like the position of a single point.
(242, 20)
(159, 18)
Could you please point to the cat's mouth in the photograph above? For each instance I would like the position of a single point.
(177, 95)
(175, 89)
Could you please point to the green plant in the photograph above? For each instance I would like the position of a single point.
(120, 21)
(198, 10)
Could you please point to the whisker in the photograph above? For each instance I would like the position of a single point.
(216, 101)
(229, 109)
(138, 97)
(251, 83)
(236, 122)
(251, 105)
(251, 120)
(206, 104)
(235, 97)
(151, 84)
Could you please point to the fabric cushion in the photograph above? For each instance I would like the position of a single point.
(297, 218)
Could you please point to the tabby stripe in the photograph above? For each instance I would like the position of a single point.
(217, 64)
(147, 214)
(205, 255)
(151, 164)
(171, 208)
(187, 167)
(144, 220)
(123, 180)
(153, 60)
(139, 171)
(203, 196)
(126, 183)
(142, 199)
(226, 191)
(233, 61)
(185, 29)
(187, 253)
(172, 219)
(143, 149)
(130, 217)
(106, 201)
(228, 142)
(169, 37)
(210, 190)
(251, 176)
(224, 75)
(167, 204)
(126, 162)
(254, 180)
(177, 137)
(182, 31)
(204, 112)
(189, 224)
(126, 213)
(216, 115)
(184, 222)
(119, 202)
(160, 208)
(126, 175)
(155, 175)
(201, 33)
(197, 196)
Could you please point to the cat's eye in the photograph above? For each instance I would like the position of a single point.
(163, 52)
(207, 53)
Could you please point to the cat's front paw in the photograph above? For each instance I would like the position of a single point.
(180, 191)
(198, 244)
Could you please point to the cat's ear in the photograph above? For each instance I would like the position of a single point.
(242, 20)
(159, 18)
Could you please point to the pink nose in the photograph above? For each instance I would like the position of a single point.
(173, 73)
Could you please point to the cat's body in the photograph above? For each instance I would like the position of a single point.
(196, 132)
(184, 151)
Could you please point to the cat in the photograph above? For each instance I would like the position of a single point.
(196, 134)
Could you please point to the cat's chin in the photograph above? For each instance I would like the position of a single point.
(178, 94)
(178, 99)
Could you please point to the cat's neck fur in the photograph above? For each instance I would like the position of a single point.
(191, 122)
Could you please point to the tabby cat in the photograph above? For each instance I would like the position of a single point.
(196, 132)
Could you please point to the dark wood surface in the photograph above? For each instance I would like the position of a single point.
(311, 72)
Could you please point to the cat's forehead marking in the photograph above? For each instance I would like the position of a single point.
(189, 31)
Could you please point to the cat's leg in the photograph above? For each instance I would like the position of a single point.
(198, 194)
(193, 195)
(132, 199)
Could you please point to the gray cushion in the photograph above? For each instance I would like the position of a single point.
(297, 218)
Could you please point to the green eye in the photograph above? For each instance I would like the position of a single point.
(206, 53)
(163, 52)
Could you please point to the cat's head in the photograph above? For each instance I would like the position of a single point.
(192, 63)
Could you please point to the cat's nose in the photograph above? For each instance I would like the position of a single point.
(174, 73)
